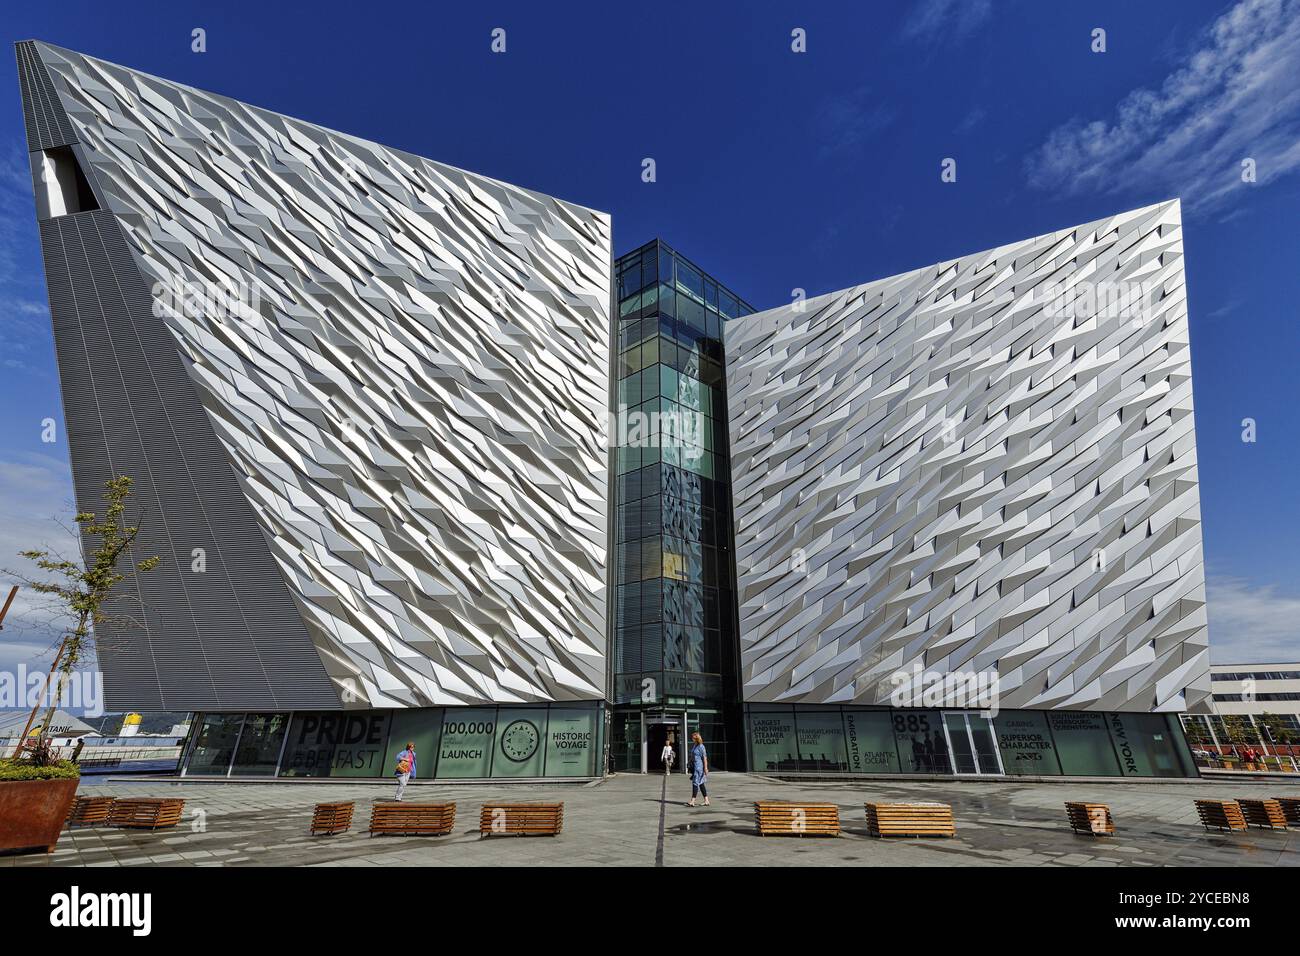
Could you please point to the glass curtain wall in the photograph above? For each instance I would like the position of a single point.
(674, 628)
(860, 740)
(526, 740)
(258, 752)
(214, 744)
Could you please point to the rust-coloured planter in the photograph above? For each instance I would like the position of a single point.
(32, 812)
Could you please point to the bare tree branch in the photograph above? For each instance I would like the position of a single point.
(84, 592)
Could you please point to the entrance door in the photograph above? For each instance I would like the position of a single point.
(971, 743)
(660, 731)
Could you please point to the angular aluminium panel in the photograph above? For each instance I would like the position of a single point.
(389, 445)
(984, 465)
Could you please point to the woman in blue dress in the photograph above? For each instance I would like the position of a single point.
(699, 769)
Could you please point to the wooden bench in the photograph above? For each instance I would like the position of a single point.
(397, 817)
(520, 819)
(146, 813)
(332, 818)
(1263, 813)
(778, 818)
(1291, 808)
(910, 819)
(89, 811)
(1220, 814)
(1091, 818)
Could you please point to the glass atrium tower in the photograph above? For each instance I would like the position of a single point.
(674, 650)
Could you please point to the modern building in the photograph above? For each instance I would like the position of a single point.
(1254, 705)
(424, 462)
(979, 474)
(363, 397)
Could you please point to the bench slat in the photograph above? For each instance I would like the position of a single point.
(782, 818)
(330, 818)
(1220, 814)
(1093, 819)
(146, 813)
(436, 819)
(521, 819)
(1263, 813)
(89, 811)
(910, 819)
(1290, 808)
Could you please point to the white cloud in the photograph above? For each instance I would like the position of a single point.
(1236, 98)
(17, 210)
(972, 119)
(933, 21)
(1251, 623)
(26, 341)
(35, 494)
(848, 122)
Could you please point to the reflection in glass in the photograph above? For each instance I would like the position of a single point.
(625, 749)
(259, 745)
(214, 745)
(919, 736)
(986, 754)
(821, 741)
(963, 756)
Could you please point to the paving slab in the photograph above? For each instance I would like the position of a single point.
(618, 823)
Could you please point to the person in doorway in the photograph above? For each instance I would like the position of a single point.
(405, 771)
(699, 765)
(669, 754)
(918, 754)
(941, 754)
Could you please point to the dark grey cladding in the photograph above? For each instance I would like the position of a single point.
(47, 124)
(228, 638)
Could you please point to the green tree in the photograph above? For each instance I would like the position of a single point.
(1240, 731)
(1276, 730)
(1195, 732)
(84, 592)
(1279, 730)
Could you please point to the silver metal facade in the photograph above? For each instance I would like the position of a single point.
(985, 465)
(391, 449)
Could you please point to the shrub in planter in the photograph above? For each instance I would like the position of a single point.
(20, 770)
(34, 801)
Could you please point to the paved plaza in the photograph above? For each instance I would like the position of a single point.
(624, 821)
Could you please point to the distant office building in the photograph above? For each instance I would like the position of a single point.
(1254, 705)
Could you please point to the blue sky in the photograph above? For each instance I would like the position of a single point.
(779, 170)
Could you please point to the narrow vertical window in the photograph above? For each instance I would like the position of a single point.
(61, 186)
